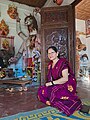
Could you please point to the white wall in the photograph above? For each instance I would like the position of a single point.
(80, 26)
(23, 10)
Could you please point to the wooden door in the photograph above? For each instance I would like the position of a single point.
(57, 29)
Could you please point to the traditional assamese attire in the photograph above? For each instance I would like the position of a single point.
(61, 96)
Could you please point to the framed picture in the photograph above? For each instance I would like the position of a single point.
(88, 28)
(6, 49)
(6, 42)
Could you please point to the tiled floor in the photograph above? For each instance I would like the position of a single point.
(83, 89)
(14, 102)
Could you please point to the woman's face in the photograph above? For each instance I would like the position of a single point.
(52, 55)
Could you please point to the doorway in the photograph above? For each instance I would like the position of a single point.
(82, 20)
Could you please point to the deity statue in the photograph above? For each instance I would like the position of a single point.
(29, 46)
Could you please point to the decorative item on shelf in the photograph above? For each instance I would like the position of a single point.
(12, 11)
(7, 49)
(38, 76)
(2, 73)
(30, 71)
(6, 72)
(4, 29)
(10, 72)
(5, 44)
(16, 72)
(58, 2)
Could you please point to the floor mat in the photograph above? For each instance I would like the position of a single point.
(49, 113)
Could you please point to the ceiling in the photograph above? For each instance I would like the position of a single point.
(42, 3)
(33, 3)
(83, 10)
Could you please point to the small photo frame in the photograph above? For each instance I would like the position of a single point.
(6, 42)
(87, 28)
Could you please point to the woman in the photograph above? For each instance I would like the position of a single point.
(60, 88)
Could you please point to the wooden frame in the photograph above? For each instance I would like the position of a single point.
(87, 28)
(59, 21)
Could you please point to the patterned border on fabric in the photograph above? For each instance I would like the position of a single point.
(49, 113)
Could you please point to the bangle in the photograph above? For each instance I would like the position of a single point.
(52, 82)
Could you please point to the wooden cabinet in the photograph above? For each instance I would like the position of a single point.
(57, 29)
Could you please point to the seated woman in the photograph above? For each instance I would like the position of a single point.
(60, 88)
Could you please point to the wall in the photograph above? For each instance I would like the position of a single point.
(23, 11)
(84, 69)
(80, 26)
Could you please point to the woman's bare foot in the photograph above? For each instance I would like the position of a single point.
(48, 102)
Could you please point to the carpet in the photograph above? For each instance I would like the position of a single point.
(48, 113)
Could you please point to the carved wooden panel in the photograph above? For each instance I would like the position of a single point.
(57, 29)
(59, 14)
(59, 38)
(55, 16)
(33, 3)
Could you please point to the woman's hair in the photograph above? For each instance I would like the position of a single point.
(55, 49)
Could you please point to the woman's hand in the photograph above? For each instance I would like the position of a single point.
(48, 84)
